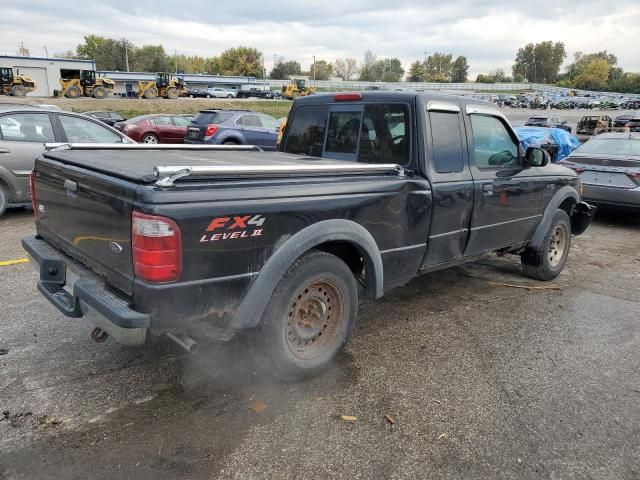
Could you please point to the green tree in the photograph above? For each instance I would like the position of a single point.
(390, 69)
(368, 72)
(459, 70)
(417, 72)
(150, 58)
(321, 70)
(438, 67)
(593, 76)
(243, 61)
(283, 70)
(108, 53)
(539, 62)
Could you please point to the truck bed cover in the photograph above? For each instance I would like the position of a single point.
(138, 165)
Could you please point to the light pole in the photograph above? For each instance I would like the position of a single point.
(314, 70)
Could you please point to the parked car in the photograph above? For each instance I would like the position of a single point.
(622, 120)
(594, 124)
(110, 118)
(634, 124)
(233, 127)
(609, 167)
(25, 129)
(155, 128)
(219, 92)
(208, 243)
(198, 93)
(548, 122)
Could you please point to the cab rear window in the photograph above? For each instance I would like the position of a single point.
(307, 130)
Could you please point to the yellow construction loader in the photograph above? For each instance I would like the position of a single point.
(296, 89)
(85, 84)
(16, 85)
(165, 85)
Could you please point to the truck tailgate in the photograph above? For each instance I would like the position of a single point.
(87, 215)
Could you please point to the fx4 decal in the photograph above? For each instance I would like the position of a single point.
(234, 227)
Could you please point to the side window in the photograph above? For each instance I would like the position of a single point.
(159, 121)
(344, 128)
(385, 134)
(306, 130)
(493, 146)
(181, 121)
(269, 122)
(79, 130)
(27, 127)
(446, 140)
(249, 121)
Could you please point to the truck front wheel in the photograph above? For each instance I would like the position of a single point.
(547, 261)
(310, 316)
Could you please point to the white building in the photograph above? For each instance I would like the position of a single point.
(46, 72)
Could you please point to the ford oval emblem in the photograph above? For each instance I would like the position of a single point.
(115, 247)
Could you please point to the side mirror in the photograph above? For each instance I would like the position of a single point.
(537, 157)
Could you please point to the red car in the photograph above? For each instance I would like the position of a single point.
(157, 128)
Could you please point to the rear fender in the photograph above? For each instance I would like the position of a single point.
(565, 193)
(255, 301)
(9, 179)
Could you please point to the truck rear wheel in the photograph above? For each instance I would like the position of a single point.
(99, 92)
(310, 316)
(547, 261)
(172, 93)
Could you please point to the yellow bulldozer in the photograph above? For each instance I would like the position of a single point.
(84, 83)
(165, 85)
(16, 85)
(296, 89)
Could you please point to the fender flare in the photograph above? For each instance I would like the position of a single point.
(255, 301)
(560, 196)
(232, 135)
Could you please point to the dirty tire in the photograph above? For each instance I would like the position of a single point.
(547, 261)
(4, 199)
(172, 93)
(150, 93)
(309, 317)
(73, 92)
(99, 92)
(18, 91)
(150, 138)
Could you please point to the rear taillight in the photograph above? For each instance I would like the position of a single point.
(635, 176)
(32, 189)
(211, 129)
(156, 247)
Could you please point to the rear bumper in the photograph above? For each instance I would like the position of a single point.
(616, 197)
(77, 292)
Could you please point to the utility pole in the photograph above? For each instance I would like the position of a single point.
(314, 70)
(46, 52)
(425, 55)
(126, 53)
(175, 57)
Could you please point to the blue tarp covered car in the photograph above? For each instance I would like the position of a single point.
(539, 137)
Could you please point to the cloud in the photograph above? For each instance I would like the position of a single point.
(487, 32)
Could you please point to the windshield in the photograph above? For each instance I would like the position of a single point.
(611, 146)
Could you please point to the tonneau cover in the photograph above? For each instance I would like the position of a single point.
(138, 165)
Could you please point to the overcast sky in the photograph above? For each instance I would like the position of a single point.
(487, 32)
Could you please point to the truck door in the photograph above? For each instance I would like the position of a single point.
(507, 193)
(447, 166)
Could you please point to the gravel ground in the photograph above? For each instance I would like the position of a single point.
(482, 381)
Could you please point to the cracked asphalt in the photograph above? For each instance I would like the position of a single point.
(482, 380)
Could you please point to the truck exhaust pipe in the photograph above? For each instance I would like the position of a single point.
(99, 335)
(187, 343)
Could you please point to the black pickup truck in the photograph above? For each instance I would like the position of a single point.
(368, 191)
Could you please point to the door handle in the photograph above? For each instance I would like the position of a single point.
(487, 189)
(5, 150)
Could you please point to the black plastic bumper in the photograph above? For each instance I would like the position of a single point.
(581, 217)
(88, 289)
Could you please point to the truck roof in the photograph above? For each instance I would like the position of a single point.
(387, 96)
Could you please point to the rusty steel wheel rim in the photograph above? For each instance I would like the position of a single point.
(314, 319)
(557, 244)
